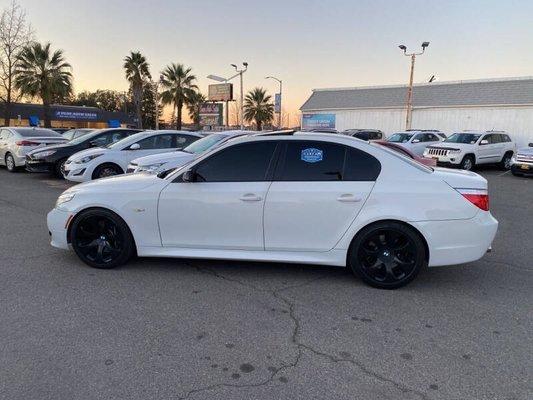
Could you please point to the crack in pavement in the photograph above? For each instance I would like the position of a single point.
(295, 340)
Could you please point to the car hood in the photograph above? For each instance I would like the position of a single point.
(526, 151)
(119, 183)
(451, 146)
(460, 179)
(164, 158)
(88, 152)
(51, 147)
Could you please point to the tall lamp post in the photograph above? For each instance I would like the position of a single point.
(240, 72)
(409, 105)
(279, 104)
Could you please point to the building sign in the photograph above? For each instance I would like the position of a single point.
(220, 92)
(277, 103)
(211, 114)
(317, 121)
(75, 115)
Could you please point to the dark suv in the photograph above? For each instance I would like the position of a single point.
(52, 158)
(364, 134)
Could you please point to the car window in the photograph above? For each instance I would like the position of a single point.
(400, 137)
(360, 166)
(156, 142)
(312, 161)
(490, 138)
(108, 138)
(246, 162)
(376, 135)
(431, 137)
(184, 140)
(421, 137)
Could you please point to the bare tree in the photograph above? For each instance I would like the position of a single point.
(15, 33)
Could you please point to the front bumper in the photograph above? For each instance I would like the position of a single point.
(76, 172)
(57, 221)
(446, 160)
(519, 167)
(38, 165)
(458, 241)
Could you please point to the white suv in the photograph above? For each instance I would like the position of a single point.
(417, 140)
(469, 148)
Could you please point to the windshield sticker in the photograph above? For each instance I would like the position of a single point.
(311, 155)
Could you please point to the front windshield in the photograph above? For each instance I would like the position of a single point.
(128, 140)
(73, 133)
(400, 137)
(465, 138)
(83, 138)
(205, 143)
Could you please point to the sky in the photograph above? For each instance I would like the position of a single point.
(307, 44)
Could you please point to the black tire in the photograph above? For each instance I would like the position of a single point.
(10, 163)
(505, 163)
(101, 239)
(387, 255)
(105, 170)
(468, 162)
(58, 168)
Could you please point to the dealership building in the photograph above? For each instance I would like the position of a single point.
(23, 114)
(491, 104)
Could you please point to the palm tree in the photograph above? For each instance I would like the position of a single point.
(137, 73)
(41, 72)
(194, 105)
(179, 86)
(258, 108)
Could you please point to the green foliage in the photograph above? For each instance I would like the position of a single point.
(43, 73)
(137, 72)
(194, 104)
(179, 87)
(258, 107)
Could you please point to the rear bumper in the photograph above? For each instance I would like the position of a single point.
(459, 241)
(57, 221)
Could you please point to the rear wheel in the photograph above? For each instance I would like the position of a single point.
(387, 255)
(105, 170)
(10, 163)
(101, 239)
(505, 163)
(467, 163)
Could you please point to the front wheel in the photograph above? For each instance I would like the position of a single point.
(387, 255)
(101, 239)
(468, 163)
(105, 170)
(10, 163)
(505, 163)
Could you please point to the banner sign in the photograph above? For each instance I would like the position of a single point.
(277, 103)
(220, 92)
(75, 115)
(211, 114)
(316, 121)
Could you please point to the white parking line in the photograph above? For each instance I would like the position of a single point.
(503, 173)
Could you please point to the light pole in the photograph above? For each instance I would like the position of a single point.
(279, 105)
(409, 105)
(240, 72)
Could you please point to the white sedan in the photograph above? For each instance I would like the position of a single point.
(101, 162)
(304, 198)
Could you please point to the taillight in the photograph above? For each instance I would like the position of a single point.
(478, 197)
(26, 143)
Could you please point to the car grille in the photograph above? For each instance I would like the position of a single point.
(437, 152)
(521, 158)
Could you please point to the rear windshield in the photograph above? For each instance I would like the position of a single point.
(205, 143)
(400, 137)
(88, 136)
(37, 132)
(465, 138)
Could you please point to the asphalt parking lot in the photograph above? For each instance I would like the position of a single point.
(194, 329)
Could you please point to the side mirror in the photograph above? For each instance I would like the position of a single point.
(189, 176)
(135, 146)
(531, 145)
(483, 142)
(416, 140)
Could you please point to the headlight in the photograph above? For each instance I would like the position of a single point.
(150, 168)
(42, 154)
(64, 198)
(86, 159)
(454, 151)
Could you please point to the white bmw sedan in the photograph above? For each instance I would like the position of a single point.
(304, 198)
(102, 162)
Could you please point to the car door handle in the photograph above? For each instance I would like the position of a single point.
(250, 197)
(348, 198)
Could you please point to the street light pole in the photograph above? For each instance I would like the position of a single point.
(241, 72)
(280, 90)
(409, 102)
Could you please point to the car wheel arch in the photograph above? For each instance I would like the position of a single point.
(390, 220)
(71, 220)
(107, 163)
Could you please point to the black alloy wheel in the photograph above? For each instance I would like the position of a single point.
(105, 170)
(101, 239)
(387, 255)
(59, 168)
